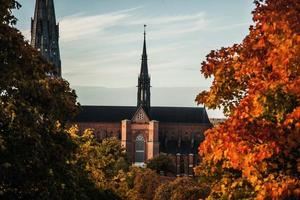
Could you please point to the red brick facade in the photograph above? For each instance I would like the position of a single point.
(174, 139)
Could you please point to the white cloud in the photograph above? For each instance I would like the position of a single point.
(108, 44)
(105, 49)
(161, 20)
(78, 26)
(81, 27)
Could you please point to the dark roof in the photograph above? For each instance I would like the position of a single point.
(179, 114)
(105, 113)
(161, 114)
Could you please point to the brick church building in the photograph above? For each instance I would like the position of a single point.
(145, 131)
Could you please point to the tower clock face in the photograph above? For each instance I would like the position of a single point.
(140, 116)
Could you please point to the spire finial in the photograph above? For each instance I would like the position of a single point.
(144, 48)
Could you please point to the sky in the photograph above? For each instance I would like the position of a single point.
(101, 40)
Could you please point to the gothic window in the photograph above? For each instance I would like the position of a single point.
(139, 149)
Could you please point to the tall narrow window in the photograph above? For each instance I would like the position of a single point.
(140, 149)
(142, 93)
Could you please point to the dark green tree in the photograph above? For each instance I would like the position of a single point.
(161, 163)
(35, 149)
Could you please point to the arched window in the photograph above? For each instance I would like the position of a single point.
(139, 149)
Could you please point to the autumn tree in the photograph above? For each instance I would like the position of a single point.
(183, 188)
(145, 183)
(257, 83)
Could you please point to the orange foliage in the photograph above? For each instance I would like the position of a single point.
(258, 84)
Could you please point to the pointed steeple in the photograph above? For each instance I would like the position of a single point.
(45, 33)
(143, 97)
(144, 67)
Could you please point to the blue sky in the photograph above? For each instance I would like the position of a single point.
(101, 40)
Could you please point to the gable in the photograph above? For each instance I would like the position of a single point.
(140, 116)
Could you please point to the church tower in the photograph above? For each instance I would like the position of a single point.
(143, 96)
(45, 33)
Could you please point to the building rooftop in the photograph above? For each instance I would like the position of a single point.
(161, 114)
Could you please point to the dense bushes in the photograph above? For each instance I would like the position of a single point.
(162, 163)
(184, 188)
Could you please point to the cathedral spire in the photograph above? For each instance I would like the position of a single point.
(143, 98)
(144, 67)
(45, 33)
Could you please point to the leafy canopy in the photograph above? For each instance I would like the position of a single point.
(258, 84)
(161, 163)
(183, 188)
(35, 149)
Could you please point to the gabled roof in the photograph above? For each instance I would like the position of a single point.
(161, 114)
(140, 112)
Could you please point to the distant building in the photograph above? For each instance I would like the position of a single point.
(45, 33)
(144, 130)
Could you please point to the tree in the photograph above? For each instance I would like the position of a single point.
(257, 83)
(35, 149)
(104, 162)
(145, 183)
(108, 168)
(6, 8)
(183, 188)
(160, 163)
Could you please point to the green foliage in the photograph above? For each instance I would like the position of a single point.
(113, 156)
(104, 163)
(181, 189)
(160, 163)
(6, 7)
(35, 150)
